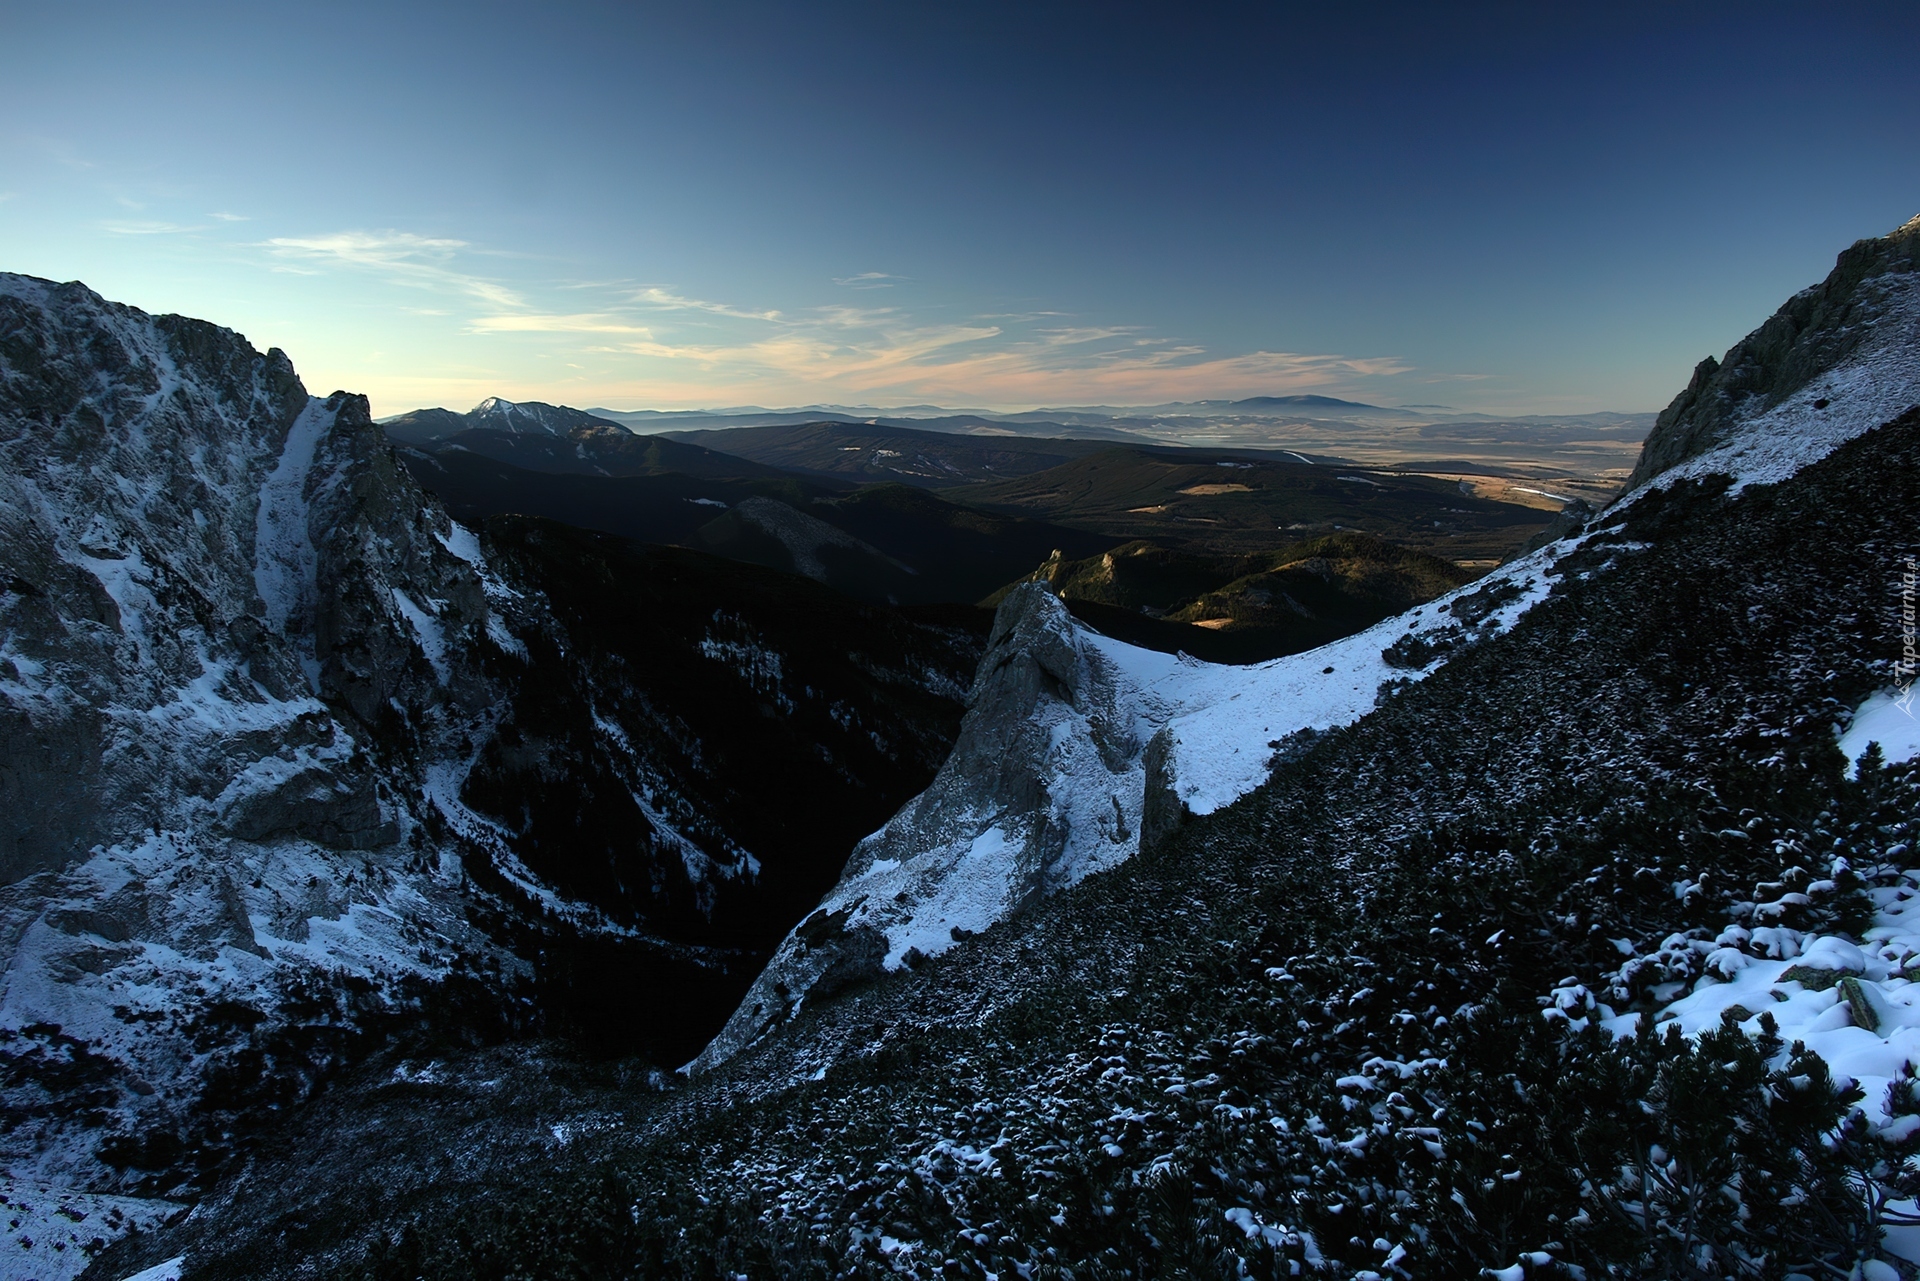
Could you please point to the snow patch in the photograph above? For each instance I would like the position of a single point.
(1888, 718)
(427, 630)
(1865, 1025)
(53, 1233)
(285, 561)
(1225, 721)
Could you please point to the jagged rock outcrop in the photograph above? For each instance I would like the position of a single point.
(1815, 332)
(1043, 787)
(229, 615)
(285, 751)
(1174, 740)
(1078, 751)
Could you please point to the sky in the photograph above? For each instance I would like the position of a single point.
(1540, 208)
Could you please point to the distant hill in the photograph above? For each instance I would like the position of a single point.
(1306, 402)
(605, 451)
(969, 553)
(1241, 609)
(534, 418)
(883, 544)
(665, 508)
(876, 452)
(1244, 501)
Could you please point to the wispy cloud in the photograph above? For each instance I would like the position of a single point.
(667, 300)
(882, 356)
(144, 227)
(369, 248)
(661, 344)
(868, 280)
(230, 217)
(60, 151)
(540, 323)
(876, 354)
(1080, 335)
(402, 257)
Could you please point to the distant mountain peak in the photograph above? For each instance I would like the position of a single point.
(1323, 401)
(495, 413)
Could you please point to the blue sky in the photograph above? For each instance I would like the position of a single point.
(1529, 208)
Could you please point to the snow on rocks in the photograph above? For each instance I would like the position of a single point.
(1853, 1002)
(192, 552)
(285, 561)
(1876, 381)
(52, 1233)
(1075, 750)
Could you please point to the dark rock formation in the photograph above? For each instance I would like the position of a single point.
(1812, 332)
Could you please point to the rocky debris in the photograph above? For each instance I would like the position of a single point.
(1416, 650)
(1470, 609)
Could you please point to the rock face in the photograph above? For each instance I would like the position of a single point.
(1043, 787)
(286, 752)
(1817, 331)
(227, 614)
(1078, 750)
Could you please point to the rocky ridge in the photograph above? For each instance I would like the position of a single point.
(1351, 1018)
(1821, 332)
(233, 632)
(281, 743)
(1078, 750)
(513, 418)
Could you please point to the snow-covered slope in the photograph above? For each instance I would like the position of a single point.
(1078, 748)
(1845, 332)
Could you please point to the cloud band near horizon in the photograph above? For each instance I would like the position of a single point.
(657, 346)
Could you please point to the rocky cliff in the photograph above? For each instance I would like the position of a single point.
(291, 760)
(1078, 751)
(1851, 318)
(1075, 745)
(234, 639)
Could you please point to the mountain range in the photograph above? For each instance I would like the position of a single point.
(402, 883)
(1586, 455)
